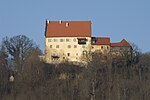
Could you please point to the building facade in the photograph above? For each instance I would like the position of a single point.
(69, 40)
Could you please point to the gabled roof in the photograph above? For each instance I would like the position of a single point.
(102, 41)
(68, 29)
(123, 43)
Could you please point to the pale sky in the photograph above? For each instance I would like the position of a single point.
(117, 19)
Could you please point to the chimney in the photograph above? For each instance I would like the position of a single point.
(60, 21)
(47, 21)
(67, 24)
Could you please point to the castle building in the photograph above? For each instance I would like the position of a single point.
(120, 48)
(69, 40)
(101, 44)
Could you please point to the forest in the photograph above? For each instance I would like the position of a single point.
(122, 78)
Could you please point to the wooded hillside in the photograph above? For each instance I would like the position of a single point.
(122, 78)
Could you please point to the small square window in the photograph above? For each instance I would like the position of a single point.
(77, 54)
(83, 46)
(68, 54)
(67, 40)
(57, 46)
(75, 46)
(55, 40)
(84, 52)
(74, 40)
(49, 40)
(61, 40)
(107, 47)
(51, 46)
(69, 46)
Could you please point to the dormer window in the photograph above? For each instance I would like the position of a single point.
(93, 40)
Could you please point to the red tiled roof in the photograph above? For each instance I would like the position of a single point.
(123, 43)
(68, 29)
(118, 44)
(102, 41)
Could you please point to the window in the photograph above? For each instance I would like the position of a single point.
(67, 40)
(74, 40)
(107, 47)
(93, 40)
(54, 56)
(101, 47)
(84, 52)
(69, 46)
(57, 46)
(55, 40)
(68, 54)
(61, 40)
(51, 46)
(82, 40)
(75, 46)
(49, 40)
(83, 46)
(77, 54)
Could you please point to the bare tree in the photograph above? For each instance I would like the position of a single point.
(3, 61)
(18, 48)
(135, 53)
(3, 73)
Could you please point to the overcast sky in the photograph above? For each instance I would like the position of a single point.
(117, 19)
